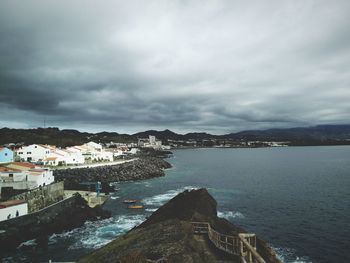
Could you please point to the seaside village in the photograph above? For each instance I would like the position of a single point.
(27, 184)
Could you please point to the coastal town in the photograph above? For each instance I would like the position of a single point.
(30, 169)
(25, 168)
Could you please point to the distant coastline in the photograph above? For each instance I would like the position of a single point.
(301, 136)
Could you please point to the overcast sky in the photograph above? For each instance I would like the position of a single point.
(215, 66)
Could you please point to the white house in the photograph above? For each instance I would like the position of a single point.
(64, 157)
(40, 177)
(13, 208)
(25, 177)
(94, 146)
(93, 151)
(35, 152)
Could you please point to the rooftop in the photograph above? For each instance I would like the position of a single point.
(11, 203)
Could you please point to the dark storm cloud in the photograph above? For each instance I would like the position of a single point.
(216, 66)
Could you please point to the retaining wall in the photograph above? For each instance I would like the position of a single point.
(42, 197)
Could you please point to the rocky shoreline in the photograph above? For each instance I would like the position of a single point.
(145, 167)
(40, 225)
(167, 235)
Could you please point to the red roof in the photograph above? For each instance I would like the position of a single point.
(6, 169)
(11, 203)
(29, 165)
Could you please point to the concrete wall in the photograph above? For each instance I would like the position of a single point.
(35, 219)
(42, 197)
(12, 211)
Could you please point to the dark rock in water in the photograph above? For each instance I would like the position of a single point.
(167, 235)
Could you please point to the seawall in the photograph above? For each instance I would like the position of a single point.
(42, 197)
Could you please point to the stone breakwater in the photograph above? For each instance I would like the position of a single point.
(140, 169)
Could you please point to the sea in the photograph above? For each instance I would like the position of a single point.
(295, 198)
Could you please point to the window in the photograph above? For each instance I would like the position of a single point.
(11, 175)
(5, 154)
(35, 146)
(29, 152)
(20, 152)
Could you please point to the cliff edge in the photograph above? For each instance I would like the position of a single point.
(167, 235)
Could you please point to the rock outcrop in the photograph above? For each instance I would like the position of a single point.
(167, 235)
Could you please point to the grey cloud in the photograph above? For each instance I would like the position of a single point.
(216, 66)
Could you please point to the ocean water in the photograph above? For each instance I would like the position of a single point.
(296, 198)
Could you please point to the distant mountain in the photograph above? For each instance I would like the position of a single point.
(317, 135)
(57, 137)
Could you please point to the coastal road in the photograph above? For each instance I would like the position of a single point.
(94, 164)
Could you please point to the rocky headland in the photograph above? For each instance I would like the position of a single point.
(167, 235)
(140, 169)
(53, 219)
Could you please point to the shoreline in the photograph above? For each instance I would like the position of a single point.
(85, 178)
(92, 165)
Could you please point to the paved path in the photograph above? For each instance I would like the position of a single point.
(94, 164)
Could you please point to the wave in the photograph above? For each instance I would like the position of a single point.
(151, 209)
(159, 200)
(28, 243)
(288, 255)
(230, 214)
(96, 234)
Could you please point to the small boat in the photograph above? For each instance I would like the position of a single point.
(129, 201)
(114, 197)
(135, 206)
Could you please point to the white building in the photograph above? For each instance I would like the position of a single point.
(150, 142)
(24, 177)
(13, 208)
(64, 157)
(40, 177)
(35, 152)
(94, 145)
(93, 151)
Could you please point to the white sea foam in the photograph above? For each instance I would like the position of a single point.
(159, 200)
(230, 214)
(94, 235)
(151, 209)
(28, 243)
(288, 255)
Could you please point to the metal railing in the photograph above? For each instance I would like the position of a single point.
(243, 245)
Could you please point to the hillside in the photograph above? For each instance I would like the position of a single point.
(317, 135)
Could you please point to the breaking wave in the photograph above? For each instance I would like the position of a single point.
(230, 214)
(151, 209)
(159, 200)
(96, 234)
(288, 255)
